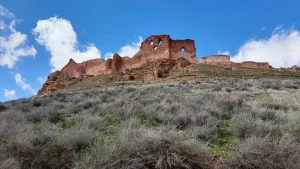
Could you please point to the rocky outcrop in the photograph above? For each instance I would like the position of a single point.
(150, 71)
(55, 81)
(290, 69)
(153, 70)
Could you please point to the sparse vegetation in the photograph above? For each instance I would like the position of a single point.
(225, 123)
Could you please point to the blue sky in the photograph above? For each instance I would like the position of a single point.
(37, 37)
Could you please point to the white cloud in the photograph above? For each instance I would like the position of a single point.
(41, 80)
(59, 38)
(282, 49)
(22, 83)
(2, 25)
(223, 53)
(6, 13)
(9, 94)
(127, 50)
(12, 45)
(108, 55)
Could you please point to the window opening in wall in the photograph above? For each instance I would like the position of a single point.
(159, 42)
(151, 42)
(155, 47)
(182, 49)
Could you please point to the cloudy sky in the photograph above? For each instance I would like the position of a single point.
(38, 37)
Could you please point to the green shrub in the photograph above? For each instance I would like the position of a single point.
(66, 123)
(223, 145)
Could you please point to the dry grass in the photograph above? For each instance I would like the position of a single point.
(225, 122)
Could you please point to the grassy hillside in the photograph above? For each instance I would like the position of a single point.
(196, 72)
(239, 123)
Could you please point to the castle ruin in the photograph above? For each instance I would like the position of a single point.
(153, 48)
(158, 55)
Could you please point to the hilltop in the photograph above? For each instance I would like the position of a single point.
(160, 109)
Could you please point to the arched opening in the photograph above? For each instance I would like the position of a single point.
(182, 49)
(160, 42)
(151, 42)
(155, 47)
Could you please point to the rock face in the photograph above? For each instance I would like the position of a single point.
(153, 70)
(153, 48)
(54, 82)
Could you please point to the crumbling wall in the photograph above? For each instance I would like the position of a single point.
(114, 64)
(289, 69)
(224, 60)
(183, 49)
(215, 59)
(155, 47)
(90, 67)
(163, 47)
(94, 67)
(251, 64)
(130, 63)
(72, 69)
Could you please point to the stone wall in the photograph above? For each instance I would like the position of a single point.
(183, 49)
(290, 69)
(94, 66)
(226, 64)
(215, 59)
(154, 47)
(250, 64)
(72, 69)
(224, 60)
